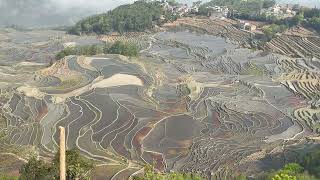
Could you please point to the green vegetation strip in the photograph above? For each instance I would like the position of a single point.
(119, 47)
(307, 169)
(150, 174)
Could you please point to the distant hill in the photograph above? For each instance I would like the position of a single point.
(35, 13)
(138, 16)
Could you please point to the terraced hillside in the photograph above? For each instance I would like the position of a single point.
(190, 102)
(217, 27)
(297, 42)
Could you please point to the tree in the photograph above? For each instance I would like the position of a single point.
(314, 23)
(241, 177)
(172, 2)
(293, 168)
(289, 172)
(273, 29)
(138, 16)
(292, 171)
(305, 176)
(269, 3)
(77, 166)
(297, 19)
(119, 47)
(66, 52)
(150, 174)
(311, 162)
(310, 13)
(37, 169)
(123, 48)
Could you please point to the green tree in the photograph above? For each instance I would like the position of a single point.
(37, 169)
(123, 48)
(138, 16)
(292, 171)
(150, 174)
(305, 176)
(314, 23)
(66, 52)
(311, 162)
(269, 3)
(78, 167)
(273, 29)
(298, 19)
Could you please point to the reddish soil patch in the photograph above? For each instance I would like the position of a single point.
(177, 106)
(42, 111)
(216, 119)
(157, 159)
(140, 135)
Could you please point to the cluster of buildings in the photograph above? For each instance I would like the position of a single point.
(218, 11)
(279, 11)
(179, 9)
(282, 11)
(245, 25)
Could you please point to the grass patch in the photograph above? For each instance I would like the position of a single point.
(69, 83)
(106, 171)
(253, 69)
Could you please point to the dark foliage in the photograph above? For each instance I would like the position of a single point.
(268, 3)
(312, 18)
(150, 174)
(37, 169)
(138, 16)
(123, 48)
(78, 167)
(311, 162)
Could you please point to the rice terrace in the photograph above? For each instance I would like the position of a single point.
(192, 93)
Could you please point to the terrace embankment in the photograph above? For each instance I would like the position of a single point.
(190, 102)
(217, 27)
(301, 76)
(138, 38)
(296, 42)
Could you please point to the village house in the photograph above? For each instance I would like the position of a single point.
(276, 9)
(280, 11)
(288, 11)
(246, 26)
(195, 7)
(165, 5)
(179, 9)
(182, 9)
(218, 11)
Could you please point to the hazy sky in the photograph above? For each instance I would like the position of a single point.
(52, 12)
(67, 12)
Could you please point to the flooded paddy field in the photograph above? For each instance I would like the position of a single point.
(189, 102)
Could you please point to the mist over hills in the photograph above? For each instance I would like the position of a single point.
(43, 13)
(33, 13)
